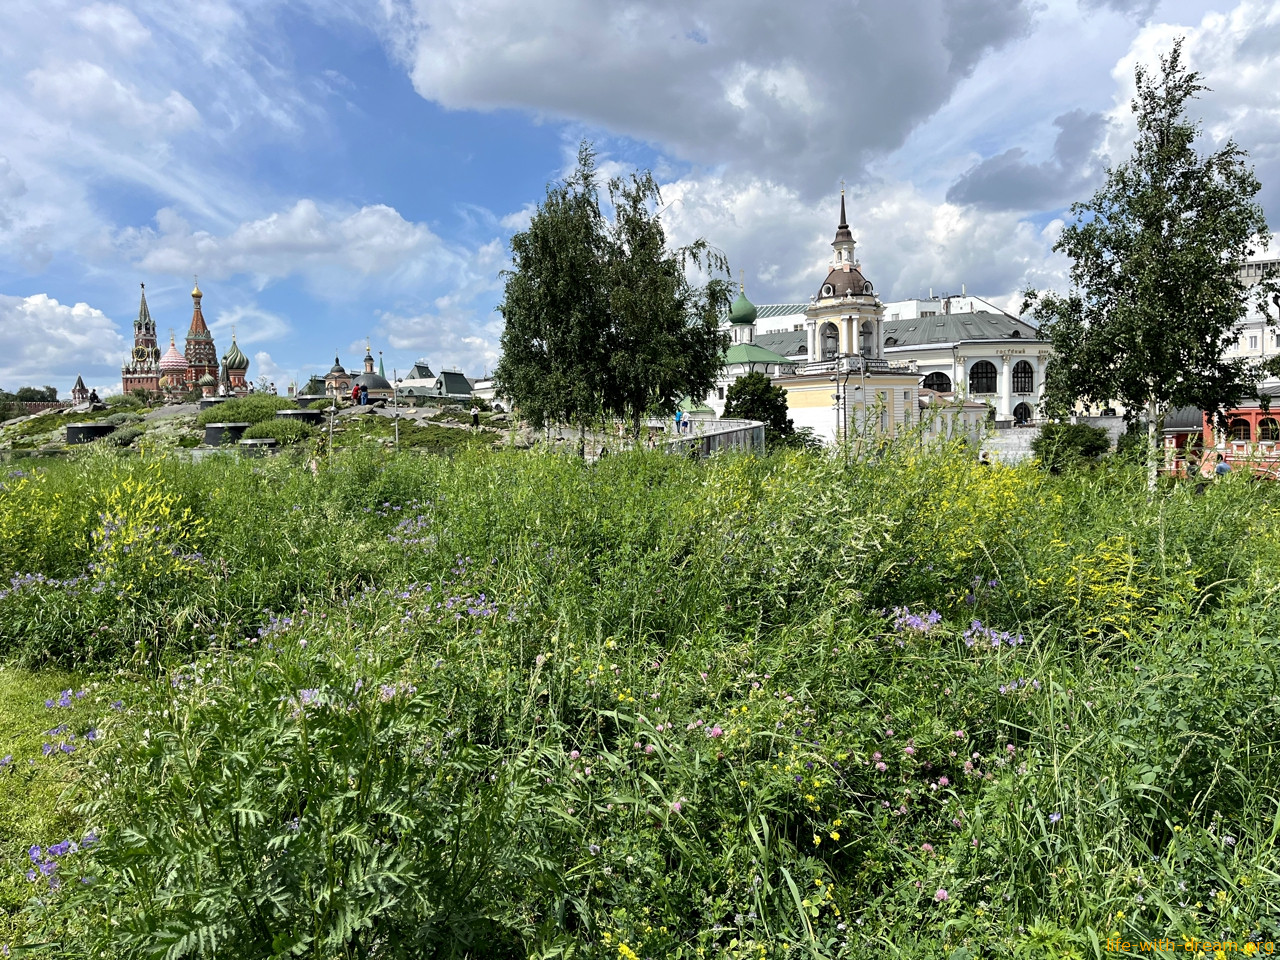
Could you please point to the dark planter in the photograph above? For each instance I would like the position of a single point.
(216, 434)
(88, 432)
(313, 417)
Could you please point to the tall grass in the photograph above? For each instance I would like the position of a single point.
(514, 705)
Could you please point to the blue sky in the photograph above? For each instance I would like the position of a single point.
(335, 170)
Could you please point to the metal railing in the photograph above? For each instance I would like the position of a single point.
(711, 435)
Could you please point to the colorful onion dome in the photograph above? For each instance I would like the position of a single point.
(207, 381)
(234, 358)
(172, 359)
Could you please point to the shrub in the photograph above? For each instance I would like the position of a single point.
(124, 436)
(320, 404)
(123, 418)
(122, 401)
(1060, 444)
(253, 408)
(282, 431)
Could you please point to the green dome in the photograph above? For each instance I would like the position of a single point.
(234, 358)
(743, 310)
(207, 381)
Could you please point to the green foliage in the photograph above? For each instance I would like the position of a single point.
(254, 408)
(323, 404)
(601, 318)
(509, 704)
(1156, 255)
(123, 401)
(122, 418)
(124, 436)
(283, 431)
(1060, 444)
(36, 394)
(754, 397)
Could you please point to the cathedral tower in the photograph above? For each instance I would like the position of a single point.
(202, 356)
(141, 371)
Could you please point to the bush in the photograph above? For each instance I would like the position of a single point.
(123, 418)
(1060, 444)
(254, 408)
(282, 431)
(320, 404)
(124, 436)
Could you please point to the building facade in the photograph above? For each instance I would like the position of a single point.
(141, 370)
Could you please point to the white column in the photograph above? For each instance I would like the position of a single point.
(812, 332)
(1003, 409)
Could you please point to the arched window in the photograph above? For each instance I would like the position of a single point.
(938, 381)
(865, 334)
(829, 341)
(982, 377)
(1024, 377)
(1238, 429)
(1021, 413)
(1268, 429)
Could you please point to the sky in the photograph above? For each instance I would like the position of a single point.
(341, 170)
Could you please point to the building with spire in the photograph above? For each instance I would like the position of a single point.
(173, 371)
(79, 393)
(376, 383)
(141, 370)
(201, 354)
(235, 367)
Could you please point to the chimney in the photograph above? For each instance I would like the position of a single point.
(962, 293)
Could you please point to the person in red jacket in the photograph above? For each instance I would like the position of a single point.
(355, 394)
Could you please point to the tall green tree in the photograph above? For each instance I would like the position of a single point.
(1156, 253)
(602, 318)
(555, 342)
(665, 339)
(755, 397)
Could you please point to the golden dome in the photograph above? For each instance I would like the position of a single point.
(195, 291)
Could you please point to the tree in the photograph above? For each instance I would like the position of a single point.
(1060, 444)
(1156, 254)
(601, 317)
(37, 394)
(554, 345)
(664, 338)
(754, 397)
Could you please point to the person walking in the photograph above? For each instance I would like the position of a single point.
(679, 419)
(475, 417)
(355, 393)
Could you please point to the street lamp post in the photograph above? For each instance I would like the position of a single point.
(395, 404)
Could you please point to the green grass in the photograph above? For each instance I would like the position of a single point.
(507, 704)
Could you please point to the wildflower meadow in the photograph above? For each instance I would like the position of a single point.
(510, 704)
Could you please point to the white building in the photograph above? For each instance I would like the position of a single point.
(1256, 339)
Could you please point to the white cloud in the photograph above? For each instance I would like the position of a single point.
(332, 248)
(43, 342)
(264, 366)
(1238, 55)
(795, 94)
(84, 90)
(250, 324)
(113, 23)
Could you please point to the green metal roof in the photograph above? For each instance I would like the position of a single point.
(750, 353)
(689, 405)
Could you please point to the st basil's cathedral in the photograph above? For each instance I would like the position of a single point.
(176, 374)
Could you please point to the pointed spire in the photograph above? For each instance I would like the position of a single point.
(843, 233)
(144, 313)
(382, 371)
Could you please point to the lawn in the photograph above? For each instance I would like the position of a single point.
(505, 704)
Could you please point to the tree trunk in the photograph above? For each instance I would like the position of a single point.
(1153, 451)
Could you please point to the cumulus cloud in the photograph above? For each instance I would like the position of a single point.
(331, 248)
(796, 93)
(1008, 181)
(43, 342)
(1238, 55)
(84, 90)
